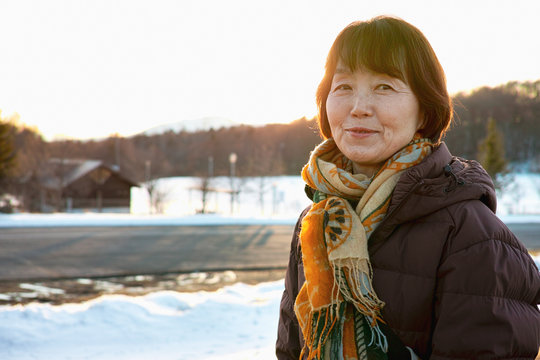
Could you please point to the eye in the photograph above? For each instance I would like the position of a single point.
(342, 87)
(383, 87)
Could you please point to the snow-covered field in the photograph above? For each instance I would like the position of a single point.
(236, 322)
(280, 202)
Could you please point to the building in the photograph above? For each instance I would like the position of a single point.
(74, 185)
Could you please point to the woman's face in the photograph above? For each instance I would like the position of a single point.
(371, 116)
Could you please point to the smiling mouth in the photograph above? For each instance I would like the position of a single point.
(360, 131)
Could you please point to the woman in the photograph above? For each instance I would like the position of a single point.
(401, 255)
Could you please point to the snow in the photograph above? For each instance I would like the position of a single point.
(521, 195)
(279, 202)
(93, 219)
(260, 196)
(235, 322)
(192, 125)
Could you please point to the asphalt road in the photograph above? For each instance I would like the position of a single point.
(33, 253)
(71, 252)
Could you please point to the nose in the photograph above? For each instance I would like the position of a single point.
(361, 106)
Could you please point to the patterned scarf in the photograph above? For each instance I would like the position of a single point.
(337, 308)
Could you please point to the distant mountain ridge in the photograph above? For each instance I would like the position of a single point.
(200, 124)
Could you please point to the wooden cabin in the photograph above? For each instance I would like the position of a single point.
(74, 185)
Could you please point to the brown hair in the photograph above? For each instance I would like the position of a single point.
(394, 47)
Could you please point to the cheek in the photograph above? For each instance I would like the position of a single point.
(407, 118)
(330, 108)
(331, 115)
(334, 111)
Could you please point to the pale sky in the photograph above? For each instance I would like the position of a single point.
(86, 69)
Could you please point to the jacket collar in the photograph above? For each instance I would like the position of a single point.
(436, 183)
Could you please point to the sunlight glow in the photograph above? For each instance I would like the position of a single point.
(90, 69)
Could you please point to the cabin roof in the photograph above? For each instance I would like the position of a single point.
(74, 169)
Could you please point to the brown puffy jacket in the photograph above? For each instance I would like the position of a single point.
(456, 282)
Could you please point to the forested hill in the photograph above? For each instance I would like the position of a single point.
(284, 148)
(516, 109)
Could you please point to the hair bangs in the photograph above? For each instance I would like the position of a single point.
(372, 48)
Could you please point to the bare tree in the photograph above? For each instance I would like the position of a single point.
(205, 186)
(267, 160)
(157, 196)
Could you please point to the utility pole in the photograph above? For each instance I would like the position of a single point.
(232, 161)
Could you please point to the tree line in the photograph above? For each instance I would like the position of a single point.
(515, 109)
(273, 149)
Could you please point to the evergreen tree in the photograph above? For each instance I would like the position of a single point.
(7, 150)
(491, 152)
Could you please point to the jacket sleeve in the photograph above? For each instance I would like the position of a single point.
(289, 342)
(487, 293)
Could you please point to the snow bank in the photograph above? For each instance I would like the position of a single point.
(236, 322)
(93, 219)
